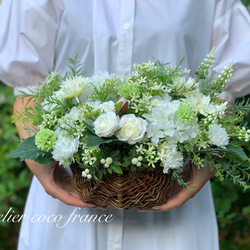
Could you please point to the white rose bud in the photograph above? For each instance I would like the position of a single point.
(132, 129)
(106, 124)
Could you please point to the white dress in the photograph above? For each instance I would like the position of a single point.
(110, 36)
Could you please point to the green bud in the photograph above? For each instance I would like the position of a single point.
(129, 88)
(45, 139)
(186, 113)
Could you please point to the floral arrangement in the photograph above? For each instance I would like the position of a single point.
(159, 115)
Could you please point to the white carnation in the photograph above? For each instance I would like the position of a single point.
(218, 135)
(106, 124)
(65, 149)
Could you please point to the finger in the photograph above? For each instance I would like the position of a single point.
(177, 201)
(59, 193)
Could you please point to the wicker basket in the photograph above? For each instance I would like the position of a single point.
(141, 189)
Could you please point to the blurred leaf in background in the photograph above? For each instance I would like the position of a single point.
(14, 175)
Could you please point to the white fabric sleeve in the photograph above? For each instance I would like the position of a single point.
(231, 38)
(27, 39)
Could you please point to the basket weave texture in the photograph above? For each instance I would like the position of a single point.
(141, 189)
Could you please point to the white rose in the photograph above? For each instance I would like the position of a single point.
(107, 106)
(132, 129)
(106, 124)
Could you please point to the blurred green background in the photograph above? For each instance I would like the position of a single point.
(231, 202)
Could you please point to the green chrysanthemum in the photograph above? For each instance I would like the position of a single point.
(186, 113)
(129, 88)
(45, 139)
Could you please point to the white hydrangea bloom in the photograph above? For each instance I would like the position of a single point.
(170, 156)
(218, 135)
(161, 119)
(185, 132)
(65, 149)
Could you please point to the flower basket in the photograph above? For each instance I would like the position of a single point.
(127, 138)
(140, 189)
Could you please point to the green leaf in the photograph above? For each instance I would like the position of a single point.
(109, 170)
(238, 151)
(28, 150)
(117, 169)
(230, 149)
(93, 140)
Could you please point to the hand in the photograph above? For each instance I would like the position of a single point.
(57, 182)
(199, 178)
(54, 178)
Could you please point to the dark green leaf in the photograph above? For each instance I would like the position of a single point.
(28, 150)
(117, 169)
(94, 140)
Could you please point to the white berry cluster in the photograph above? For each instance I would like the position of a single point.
(85, 173)
(107, 162)
(137, 161)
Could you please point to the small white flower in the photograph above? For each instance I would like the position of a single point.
(132, 129)
(106, 124)
(218, 135)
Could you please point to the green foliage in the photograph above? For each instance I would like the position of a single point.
(107, 91)
(28, 150)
